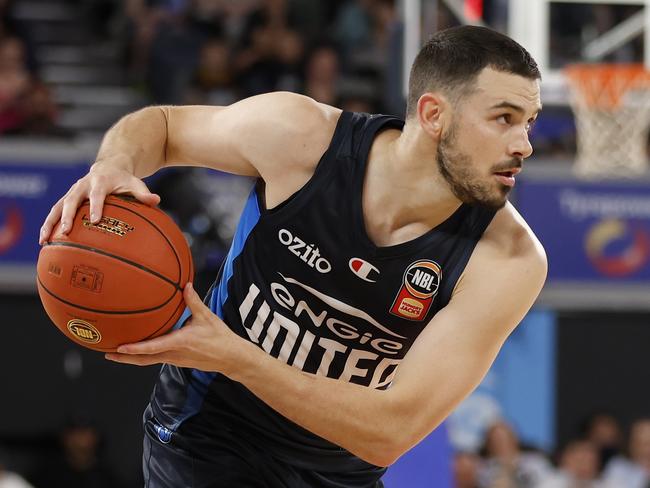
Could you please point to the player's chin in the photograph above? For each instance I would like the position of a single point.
(496, 200)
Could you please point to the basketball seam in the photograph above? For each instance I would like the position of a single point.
(119, 258)
(107, 312)
(166, 323)
(190, 271)
(178, 260)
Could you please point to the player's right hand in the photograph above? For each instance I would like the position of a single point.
(101, 180)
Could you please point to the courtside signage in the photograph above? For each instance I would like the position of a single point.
(27, 192)
(592, 232)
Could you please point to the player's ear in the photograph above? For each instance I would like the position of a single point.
(432, 110)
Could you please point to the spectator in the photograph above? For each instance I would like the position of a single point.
(353, 24)
(213, 82)
(145, 17)
(322, 75)
(465, 470)
(309, 18)
(226, 18)
(14, 82)
(384, 16)
(362, 29)
(578, 468)
(25, 104)
(368, 32)
(604, 432)
(10, 26)
(633, 472)
(173, 57)
(506, 465)
(80, 464)
(39, 113)
(272, 53)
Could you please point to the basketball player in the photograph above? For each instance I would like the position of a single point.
(376, 270)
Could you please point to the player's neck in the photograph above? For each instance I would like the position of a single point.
(404, 194)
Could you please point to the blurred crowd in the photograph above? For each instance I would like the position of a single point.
(219, 51)
(341, 52)
(74, 459)
(600, 457)
(26, 105)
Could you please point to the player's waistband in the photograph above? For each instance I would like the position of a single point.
(232, 410)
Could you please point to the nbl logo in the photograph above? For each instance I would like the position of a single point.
(422, 279)
(419, 288)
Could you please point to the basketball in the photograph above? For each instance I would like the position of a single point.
(117, 281)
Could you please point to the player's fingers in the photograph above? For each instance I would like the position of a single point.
(96, 196)
(136, 360)
(71, 203)
(168, 342)
(142, 193)
(193, 300)
(50, 221)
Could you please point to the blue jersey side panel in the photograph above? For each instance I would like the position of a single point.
(198, 387)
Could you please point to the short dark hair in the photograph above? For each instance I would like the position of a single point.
(453, 58)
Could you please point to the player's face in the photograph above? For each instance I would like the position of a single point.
(483, 150)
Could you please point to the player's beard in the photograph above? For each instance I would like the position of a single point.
(464, 180)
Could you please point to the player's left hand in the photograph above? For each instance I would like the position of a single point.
(204, 342)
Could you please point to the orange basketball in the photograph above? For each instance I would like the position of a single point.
(117, 281)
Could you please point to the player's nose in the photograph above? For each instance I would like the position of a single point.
(520, 145)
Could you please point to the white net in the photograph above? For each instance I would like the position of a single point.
(611, 104)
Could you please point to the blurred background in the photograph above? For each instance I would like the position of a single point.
(566, 404)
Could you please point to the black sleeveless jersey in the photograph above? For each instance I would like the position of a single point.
(305, 283)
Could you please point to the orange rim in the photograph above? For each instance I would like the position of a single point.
(603, 86)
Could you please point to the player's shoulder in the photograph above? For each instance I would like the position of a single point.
(508, 262)
(509, 237)
(299, 112)
(289, 128)
(284, 138)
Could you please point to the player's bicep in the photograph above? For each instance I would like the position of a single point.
(266, 135)
(203, 136)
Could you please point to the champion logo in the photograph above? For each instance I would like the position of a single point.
(363, 269)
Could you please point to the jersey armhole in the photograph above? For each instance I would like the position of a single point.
(325, 163)
(476, 233)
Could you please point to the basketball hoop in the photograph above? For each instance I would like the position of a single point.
(611, 103)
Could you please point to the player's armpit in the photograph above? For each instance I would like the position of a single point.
(456, 349)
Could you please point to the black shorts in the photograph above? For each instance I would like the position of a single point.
(168, 463)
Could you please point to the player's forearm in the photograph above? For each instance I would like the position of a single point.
(136, 143)
(362, 420)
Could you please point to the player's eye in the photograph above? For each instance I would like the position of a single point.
(504, 119)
